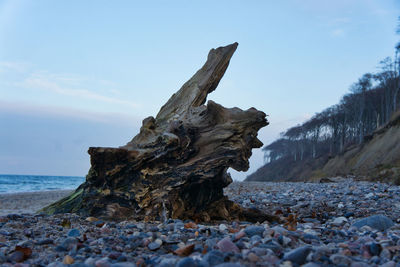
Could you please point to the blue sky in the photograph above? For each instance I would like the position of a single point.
(75, 74)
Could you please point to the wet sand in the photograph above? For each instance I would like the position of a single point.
(29, 202)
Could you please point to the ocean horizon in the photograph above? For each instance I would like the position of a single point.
(18, 183)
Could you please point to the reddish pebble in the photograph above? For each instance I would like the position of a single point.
(239, 235)
(102, 263)
(253, 257)
(226, 245)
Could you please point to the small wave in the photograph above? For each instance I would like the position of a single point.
(32, 183)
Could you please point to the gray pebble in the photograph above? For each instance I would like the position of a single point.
(298, 255)
(379, 222)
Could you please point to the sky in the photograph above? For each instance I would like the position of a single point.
(75, 74)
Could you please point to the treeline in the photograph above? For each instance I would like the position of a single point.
(370, 104)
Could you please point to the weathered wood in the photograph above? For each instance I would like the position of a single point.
(176, 167)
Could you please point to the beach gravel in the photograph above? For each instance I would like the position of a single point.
(345, 223)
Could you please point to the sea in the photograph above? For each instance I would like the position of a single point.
(32, 183)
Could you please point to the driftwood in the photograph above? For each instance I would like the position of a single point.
(176, 167)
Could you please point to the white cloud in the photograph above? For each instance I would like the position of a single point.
(14, 66)
(24, 75)
(338, 32)
(61, 85)
(340, 20)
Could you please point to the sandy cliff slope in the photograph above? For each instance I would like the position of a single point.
(378, 159)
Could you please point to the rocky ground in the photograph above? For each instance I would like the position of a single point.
(345, 223)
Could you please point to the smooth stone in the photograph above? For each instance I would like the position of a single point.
(186, 262)
(374, 249)
(279, 230)
(226, 245)
(260, 251)
(74, 233)
(378, 222)
(169, 261)
(369, 195)
(239, 235)
(222, 227)
(254, 230)
(102, 263)
(298, 255)
(253, 257)
(214, 257)
(339, 259)
(154, 245)
(90, 261)
(339, 221)
(68, 260)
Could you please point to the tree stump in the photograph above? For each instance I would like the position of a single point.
(176, 167)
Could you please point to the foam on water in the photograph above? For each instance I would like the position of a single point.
(31, 183)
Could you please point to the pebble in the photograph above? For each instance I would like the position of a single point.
(222, 227)
(102, 263)
(186, 262)
(254, 230)
(73, 233)
(339, 221)
(379, 222)
(253, 257)
(68, 260)
(298, 255)
(339, 259)
(226, 245)
(155, 245)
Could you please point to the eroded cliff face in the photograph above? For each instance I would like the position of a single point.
(377, 159)
(176, 167)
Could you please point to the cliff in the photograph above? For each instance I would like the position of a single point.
(376, 159)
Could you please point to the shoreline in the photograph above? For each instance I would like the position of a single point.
(29, 202)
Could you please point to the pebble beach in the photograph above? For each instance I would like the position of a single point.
(340, 223)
